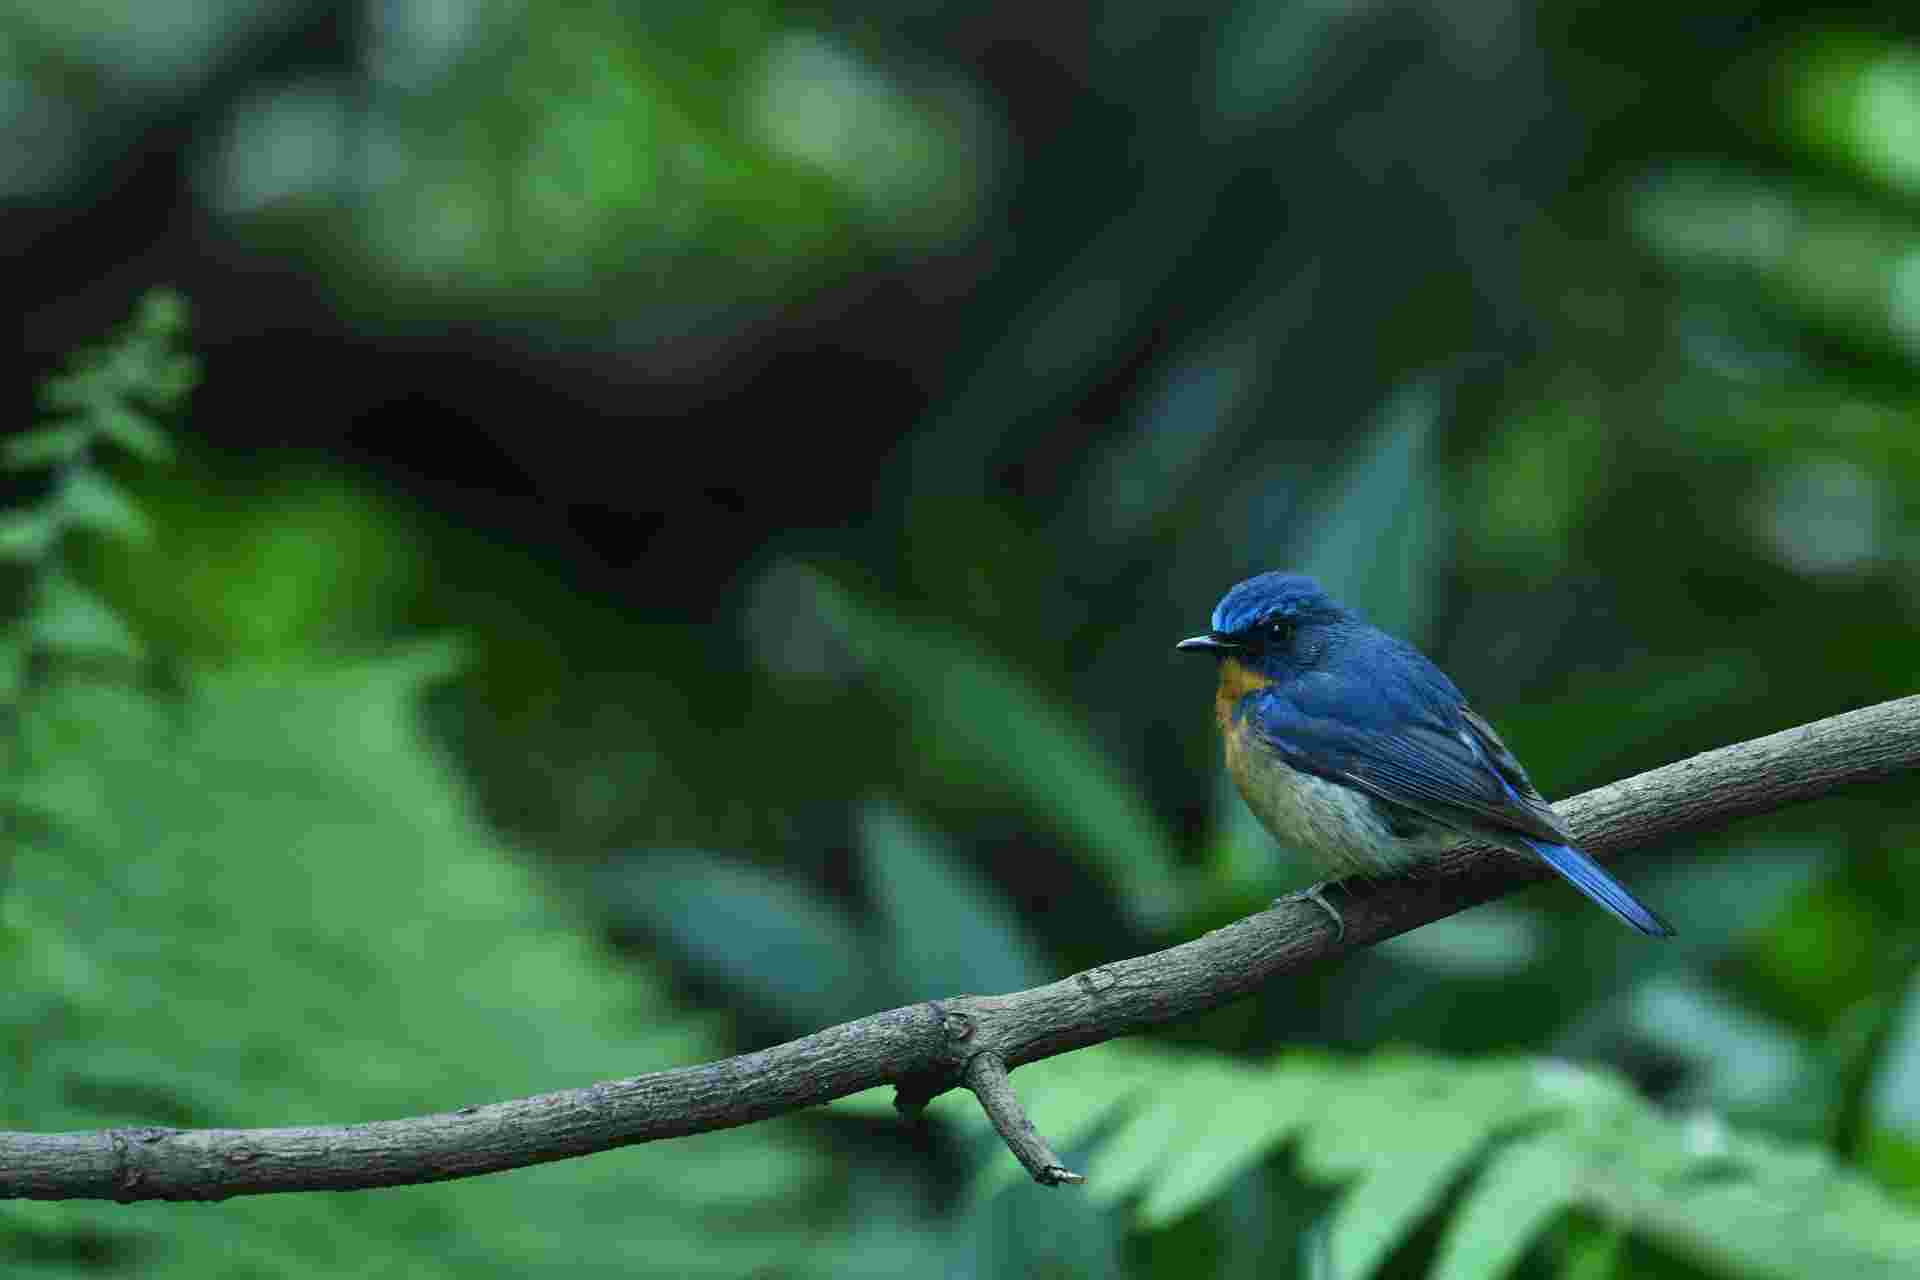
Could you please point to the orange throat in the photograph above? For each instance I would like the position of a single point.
(1237, 680)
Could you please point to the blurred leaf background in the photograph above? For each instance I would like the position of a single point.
(676, 539)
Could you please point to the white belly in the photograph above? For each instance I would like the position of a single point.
(1337, 827)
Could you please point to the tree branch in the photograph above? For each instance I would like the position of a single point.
(969, 1040)
(986, 1075)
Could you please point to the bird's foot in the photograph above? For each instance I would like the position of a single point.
(1316, 894)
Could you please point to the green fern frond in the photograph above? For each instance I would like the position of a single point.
(1504, 1148)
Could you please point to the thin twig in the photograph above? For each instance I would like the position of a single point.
(926, 1048)
(986, 1075)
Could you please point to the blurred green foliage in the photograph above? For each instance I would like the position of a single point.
(1575, 342)
(100, 405)
(1399, 1132)
(270, 902)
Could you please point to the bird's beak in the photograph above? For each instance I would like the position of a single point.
(1209, 643)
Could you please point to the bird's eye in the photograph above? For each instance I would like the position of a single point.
(1279, 628)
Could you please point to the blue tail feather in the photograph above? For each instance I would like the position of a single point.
(1586, 875)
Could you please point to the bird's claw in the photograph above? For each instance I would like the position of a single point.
(1316, 894)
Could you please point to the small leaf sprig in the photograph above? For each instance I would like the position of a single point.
(109, 396)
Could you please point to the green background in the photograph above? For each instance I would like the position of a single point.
(677, 541)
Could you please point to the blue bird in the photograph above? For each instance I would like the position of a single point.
(1351, 746)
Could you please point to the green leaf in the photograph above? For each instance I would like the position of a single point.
(1021, 1234)
(1735, 1057)
(1409, 1135)
(1145, 473)
(77, 391)
(103, 386)
(133, 430)
(1250, 1113)
(1593, 1252)
(13, 664)
(44, 447)
(1521, 1189)
(27, 535)
(65, 799)
(91, 500)
(976, 718)
(163, 313)
(1130, 1156)
(1378, 542)
(70, 620)
(953, 931)
(773, 941)
(1892, 1099)
(1747, 1205)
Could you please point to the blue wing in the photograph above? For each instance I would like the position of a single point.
(1404, 734)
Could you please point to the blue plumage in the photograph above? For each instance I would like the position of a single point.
(1352, 745)
(1584, 874)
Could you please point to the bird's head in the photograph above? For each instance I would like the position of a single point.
(1274, 624)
